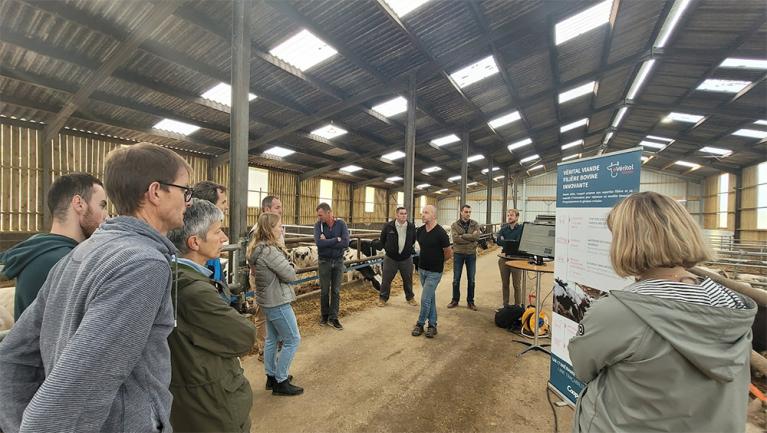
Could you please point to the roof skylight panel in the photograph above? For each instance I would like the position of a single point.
(350, 169)
(642, 75)
(677, 10)
(529, 158)
(433, 169)
(724, 86)
(716, 150)
(652, 144)
(761, 122)
(471, 183)
(498, 177)
(475, 72)
(404, 7)
(222, 93)
(391, 107)
(441, 191)
(393, 179)
(537, 167)
(572, 144)
(619, 117)
(691, 165)
(447, 139)
(750, 133)
(582, 22)
(454, 178)
(423, 186)
(657, 138)
(573, 125)
(303, 50)
(176, 126)
(393, 156)
(476, 157)
(504, 120)
(518, 144)
(329, 131)
(739, 63)
(279, 152)
(577, 92)
(573, 156)
(683, 117)
(484, 170)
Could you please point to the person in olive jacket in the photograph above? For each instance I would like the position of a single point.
(210, 391)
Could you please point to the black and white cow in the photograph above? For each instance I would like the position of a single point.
(571, 302)
(304, 257)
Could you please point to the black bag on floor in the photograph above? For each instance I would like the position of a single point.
(508, 316)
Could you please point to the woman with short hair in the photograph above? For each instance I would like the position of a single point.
(273, 272)
(671, 351)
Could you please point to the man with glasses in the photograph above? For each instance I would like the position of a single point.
(91, 352)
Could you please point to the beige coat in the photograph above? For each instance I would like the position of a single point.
(463, 242)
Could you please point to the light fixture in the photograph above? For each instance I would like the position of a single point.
(537, 167)
(716, 150)
(529, 158)
(518, 144)
(176, 126)
(671, 22)
(573, 125)
(619, 117)
(454, 178)
(222, 93)
(393, 179)
(433, 169)
(577, 92)
(572, 144)
(279, 152)
(391, 107)
(582, 22)
(653, 145)
(484, 170)
(303, 50)
(723, 86)
(329, 131)
(404, 7)
(691, 165)
(738, 63)
(475, 72)
(573, 156)
(476, 157)
(350, 169)
(504, 120)
(423, 185)
(684, 117)
(641, 77)
(751, 133)
(393, 156)
(442, 141)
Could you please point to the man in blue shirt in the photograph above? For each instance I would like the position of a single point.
(332, 238)
(508, 236)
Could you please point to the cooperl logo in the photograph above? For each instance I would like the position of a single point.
(616, 168)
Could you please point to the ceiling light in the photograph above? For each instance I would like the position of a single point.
(393, 156)
(329, 131)
(671, 22)
(442, 141)
(529, 158)
(724, 86)
(393, 179)
(576, 124)
(691, 165)
(484, 170)
(433, 169)
(471, 183)
(350, 169)
(537, 167)
(423, 185)
(657, 138)
(751, 133)
(642, 75)
(476, 157)
(454, 178)
(653, 145)
(572, 144)
(391, 107)
(575, 155)
(279, 152)
(582, 22)
(176, 126)
(736, 63)
(619, 117)
(576, 92)
(303, 50)
(684, 117)
(404, 7)
(504, 120)
(518, 144)
(475, 72)
(716, 150)
(222, 93)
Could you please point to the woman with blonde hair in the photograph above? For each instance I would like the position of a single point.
(669, 352)
(273, 274)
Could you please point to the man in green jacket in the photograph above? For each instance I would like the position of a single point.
(210, 391)
(465, 234)
(78, 204)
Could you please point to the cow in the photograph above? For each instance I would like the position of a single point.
(570, 302)
(304, 257)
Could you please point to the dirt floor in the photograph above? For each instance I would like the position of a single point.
(375, 377)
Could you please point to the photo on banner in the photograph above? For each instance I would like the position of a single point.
(587, 189)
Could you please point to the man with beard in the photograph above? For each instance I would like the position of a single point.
(78, 205)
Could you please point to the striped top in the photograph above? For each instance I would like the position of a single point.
(707, 292)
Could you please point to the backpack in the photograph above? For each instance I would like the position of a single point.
(508, 317)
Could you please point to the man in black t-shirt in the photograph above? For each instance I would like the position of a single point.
(435, 250)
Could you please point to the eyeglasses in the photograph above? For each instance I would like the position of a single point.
(188, 190)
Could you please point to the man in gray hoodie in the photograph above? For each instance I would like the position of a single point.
(91, 352)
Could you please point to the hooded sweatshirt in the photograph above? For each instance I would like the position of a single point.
(91, 352)
(658, 364)
(29, 263)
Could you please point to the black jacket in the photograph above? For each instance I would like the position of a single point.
(390, 241)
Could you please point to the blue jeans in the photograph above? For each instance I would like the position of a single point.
(429, 282)
(471, 270)
(280, 325)
(331, 272)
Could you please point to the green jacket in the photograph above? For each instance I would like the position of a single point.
(210, 391)
(465, 242)
(654, 364)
